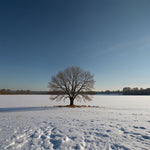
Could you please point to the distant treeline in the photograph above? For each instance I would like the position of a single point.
(21, 92)
(108, 92)
(135, 91)
(28, 92)
(125, 91)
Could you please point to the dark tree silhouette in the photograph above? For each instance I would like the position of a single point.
(73, 83)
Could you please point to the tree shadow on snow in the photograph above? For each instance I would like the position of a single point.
(22, 109)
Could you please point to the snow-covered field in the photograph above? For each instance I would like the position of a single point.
(30, 122)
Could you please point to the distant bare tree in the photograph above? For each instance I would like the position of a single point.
(73, 82)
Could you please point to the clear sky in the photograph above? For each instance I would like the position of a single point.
(109, 38)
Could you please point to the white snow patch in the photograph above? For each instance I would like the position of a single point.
(30, 122)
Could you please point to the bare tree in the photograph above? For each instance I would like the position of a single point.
(73, 82)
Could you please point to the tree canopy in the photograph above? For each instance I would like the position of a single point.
(73, 82)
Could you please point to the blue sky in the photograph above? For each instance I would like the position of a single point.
(110, 38)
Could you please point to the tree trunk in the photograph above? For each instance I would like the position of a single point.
(71, 101)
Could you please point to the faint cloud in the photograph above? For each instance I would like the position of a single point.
(134, 45)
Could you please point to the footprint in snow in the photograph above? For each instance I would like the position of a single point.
(45, 122)
(100, 134)
(57, 138)
(135, 127)
(139, 127)
(116, 146)
(108, 131)
(122, 129)
(146, 137)
(142, 128)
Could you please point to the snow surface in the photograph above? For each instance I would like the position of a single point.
(31, 123)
